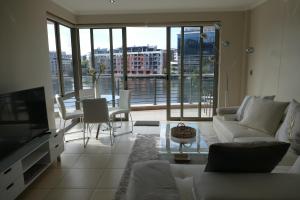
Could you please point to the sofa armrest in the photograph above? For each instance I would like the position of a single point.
(227, 110)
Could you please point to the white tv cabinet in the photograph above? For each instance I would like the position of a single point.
(21, 168)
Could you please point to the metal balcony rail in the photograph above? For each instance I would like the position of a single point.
(149, 90)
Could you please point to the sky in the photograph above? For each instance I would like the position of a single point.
(136, 36)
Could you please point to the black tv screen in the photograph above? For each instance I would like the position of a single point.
(23, 116)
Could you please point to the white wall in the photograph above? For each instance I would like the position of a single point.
(24, 51)
(274, 33)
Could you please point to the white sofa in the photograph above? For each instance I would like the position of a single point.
(228, 129)
(190, 182)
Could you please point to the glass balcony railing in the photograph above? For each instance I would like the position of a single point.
(151, 90)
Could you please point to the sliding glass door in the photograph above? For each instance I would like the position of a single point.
(192, 72)
(102, 50)
(174, 67)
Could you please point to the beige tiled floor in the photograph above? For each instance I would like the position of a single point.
(89, 173)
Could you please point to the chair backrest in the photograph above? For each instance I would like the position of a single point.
(95, 110)
(124, 102)
(61, 106)
(86, 94)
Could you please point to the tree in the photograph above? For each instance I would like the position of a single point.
(102, 68)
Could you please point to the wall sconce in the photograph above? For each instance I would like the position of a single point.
(225, 43)
(211, 59)
(218, 25)
(249, 50)
(203, 35)
(113, 1)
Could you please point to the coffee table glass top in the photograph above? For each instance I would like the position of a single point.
(169, 144)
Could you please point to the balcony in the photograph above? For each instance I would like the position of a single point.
(149, 92)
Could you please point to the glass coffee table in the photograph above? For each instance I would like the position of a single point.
(181, 149)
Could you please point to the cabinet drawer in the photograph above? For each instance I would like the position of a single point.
(56, 139)
(13, 189)
(56, 150)
(10, 174)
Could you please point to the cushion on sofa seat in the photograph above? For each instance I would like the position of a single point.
(255, 139)
(263, 114)
(254, 157)
(289, 127)
(227, 186)
(161, 185)
(227, 110)
(241, 111)
(230, 131)
(229, 117)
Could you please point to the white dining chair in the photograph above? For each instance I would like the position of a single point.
(65, 116)
(123, 108)
(96, 112)
(86, 94)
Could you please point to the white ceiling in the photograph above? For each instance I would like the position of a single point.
(98, 7)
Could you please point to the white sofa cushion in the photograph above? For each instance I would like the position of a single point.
(184, 176)
(227, 110)
(295, 169)
(241, 111)
(263, 115)
(185, 188)
(152, 179)
(291, 123)
(232, 131)
(242, 186)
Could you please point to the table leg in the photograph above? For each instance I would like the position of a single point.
(98, 129)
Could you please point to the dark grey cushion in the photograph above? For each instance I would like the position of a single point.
(254, 157)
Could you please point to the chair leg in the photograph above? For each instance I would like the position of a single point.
(86, 139)
(121, 121)
(59, 123)
(126, 132)
(111, 133)
(131, 122)
(111, 128)
(98, 129)
(84, 129)
(64, 130)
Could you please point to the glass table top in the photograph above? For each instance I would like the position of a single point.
(169, 144)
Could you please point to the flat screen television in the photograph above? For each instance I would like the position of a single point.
(23, 116)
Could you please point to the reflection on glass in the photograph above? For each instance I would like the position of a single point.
(146, 67)
(208, 69)
(118, 59)
(175, 71)
(197, 86)
(66, 56)
(102, 60)
(85, 55)
(192, 67)
(53, 58)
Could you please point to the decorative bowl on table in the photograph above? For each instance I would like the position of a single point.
(183, 134)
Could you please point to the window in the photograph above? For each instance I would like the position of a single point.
(190, 67)
(66, 59)
(85, 55)
(61, 62)
(53, 58)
